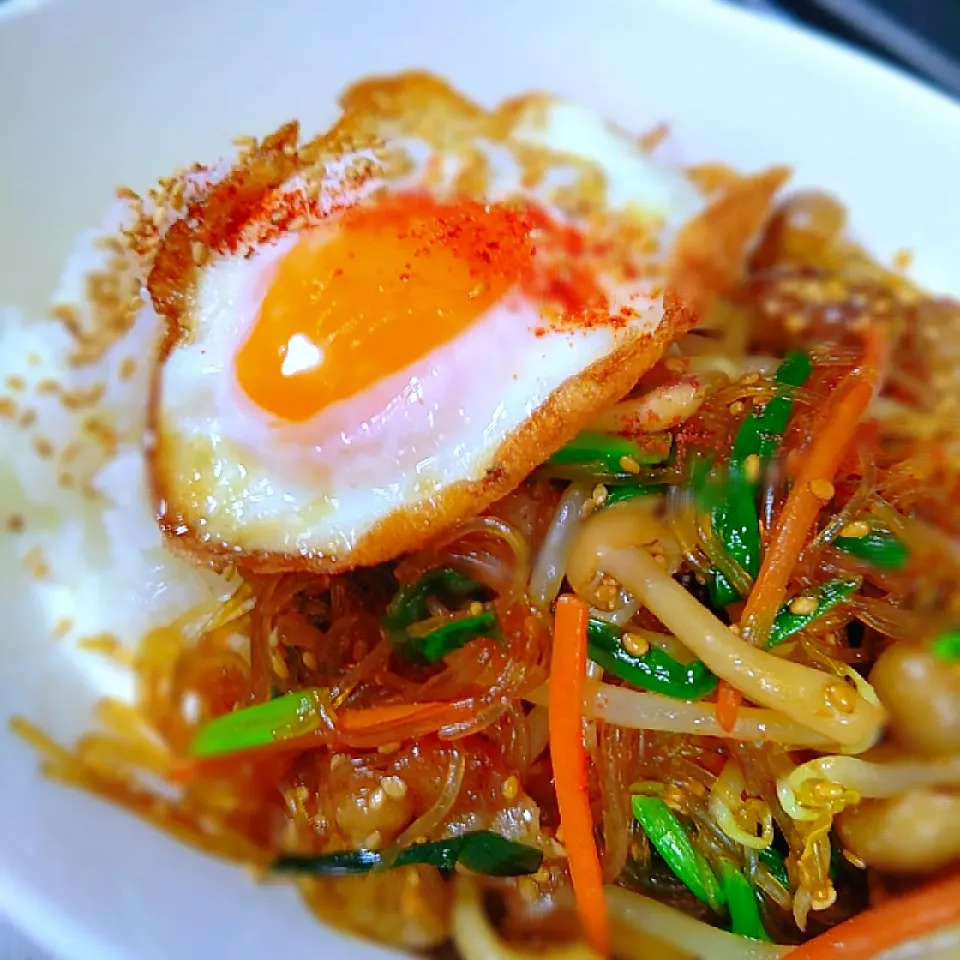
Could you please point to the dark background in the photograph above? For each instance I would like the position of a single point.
(919, 36)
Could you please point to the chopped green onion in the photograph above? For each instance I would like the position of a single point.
(655, 670)
(481, 851)
(670, 838)
(606, 454)
(631, 491)
(282, 718)
(777, 866)
(828, 596)
(742, 903)
(880, 548)
(436, 644)
(947, 645)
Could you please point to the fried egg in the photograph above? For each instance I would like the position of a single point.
(381, 331)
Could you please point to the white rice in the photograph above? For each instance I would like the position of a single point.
(97, 561)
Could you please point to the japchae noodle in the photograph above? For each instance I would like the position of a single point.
(797, 548)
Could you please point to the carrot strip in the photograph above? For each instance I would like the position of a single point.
(365, 718)
(818, 469)
(893, 922)
(728, 704)
(567, 675)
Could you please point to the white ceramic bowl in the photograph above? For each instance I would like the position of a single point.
(101, 92)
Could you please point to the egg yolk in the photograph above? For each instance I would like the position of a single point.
(391, 282)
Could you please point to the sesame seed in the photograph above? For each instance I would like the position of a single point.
(391, 747)
(510, 788)
(16, 383)
(736, 407)
(634, 644)
(735, 628)
(630, 465)
(673, 797)
(802, 606)
(600, 494)
(62, 627)
(856, 530)
(36, 563)
(822, 489)
(751, 467)
(827, 790)
(589, 507)
(279, 666)
(43, 447)
(309, 660)
(476, 608)
(852, 858)
(795, 323)
(394, 787)
(839, 696)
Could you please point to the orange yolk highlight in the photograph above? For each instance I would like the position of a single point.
(390, 283)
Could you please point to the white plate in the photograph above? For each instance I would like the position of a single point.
(102, 92)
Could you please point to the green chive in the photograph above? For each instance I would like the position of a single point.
(656, 670)
(605, 453)
(480, 851)
(880, 548)
(947, 645)
(828, 596)
(632, 491)
(410, 603)
(670, 838)
(283, 718)
(451, 636)
(735, 518)
(775, 863)
(742, 903)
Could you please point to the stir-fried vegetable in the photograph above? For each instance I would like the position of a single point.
(735, 518)
(410, 603)
(481, 851)
(803, 504)
(406, 624)
(879, 547)
(742, 903)
(654, 670)
(947, 645)
(567, 674)
(452, 635)
(607, 457)
(282, 718)
(827, 596)
(670, 838)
